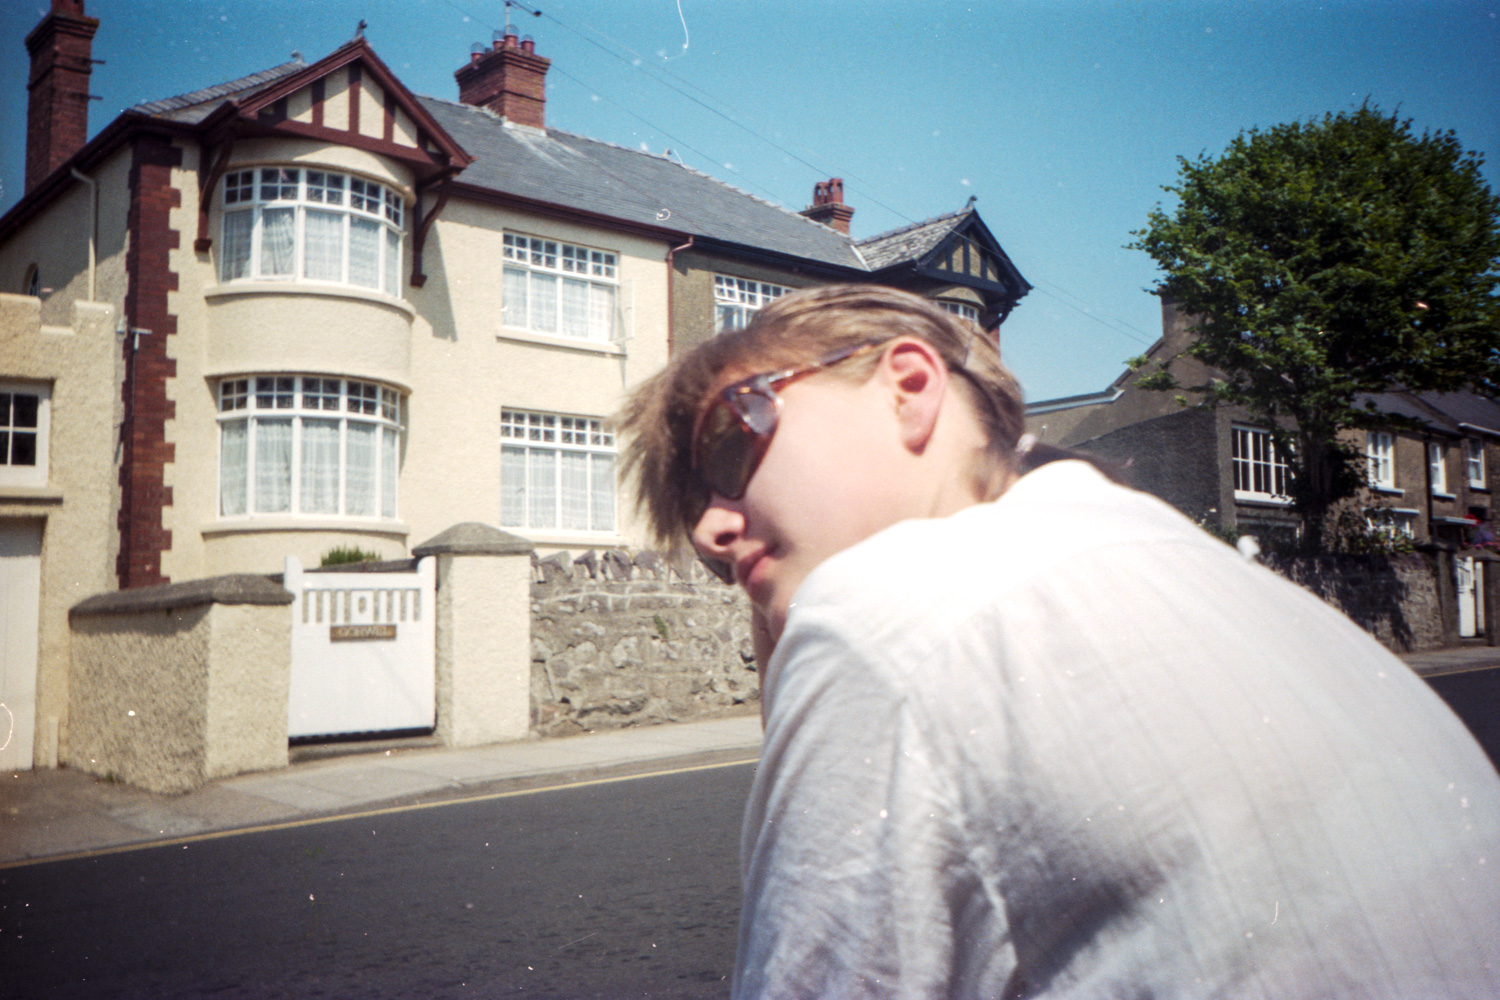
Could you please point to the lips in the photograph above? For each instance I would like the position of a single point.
(750, 573)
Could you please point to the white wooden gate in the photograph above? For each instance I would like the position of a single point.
(364, 651)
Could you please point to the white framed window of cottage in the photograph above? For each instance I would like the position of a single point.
(1474, 463)
(308, 445)
(557, 472)
(315, 226)
(25, 432)
(737, 299)
(1437, 465)
(1380, 460)
(559, 289)
(1260, 473)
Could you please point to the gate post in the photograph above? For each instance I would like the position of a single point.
(483, 634)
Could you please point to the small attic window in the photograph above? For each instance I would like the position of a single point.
(32, 283)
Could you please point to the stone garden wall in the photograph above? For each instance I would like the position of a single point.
(1395, 598)
(624, 639)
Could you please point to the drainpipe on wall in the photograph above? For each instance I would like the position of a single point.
(671, 298)
(93, 222)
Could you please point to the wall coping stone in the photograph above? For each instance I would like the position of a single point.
(472, 538)
(234, 588)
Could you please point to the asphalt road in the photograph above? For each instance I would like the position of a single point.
(622, 889)
(1474, 695)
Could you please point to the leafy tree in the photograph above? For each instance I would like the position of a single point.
(1323, 260)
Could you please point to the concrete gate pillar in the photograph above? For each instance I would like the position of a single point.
(483, 634)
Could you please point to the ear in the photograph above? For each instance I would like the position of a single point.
(918, 381)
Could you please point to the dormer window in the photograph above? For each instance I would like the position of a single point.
(294, 224)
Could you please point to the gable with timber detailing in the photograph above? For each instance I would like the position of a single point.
(960, 256)
(351, 98)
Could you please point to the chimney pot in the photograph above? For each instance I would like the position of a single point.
(828, 205)
(510, 80)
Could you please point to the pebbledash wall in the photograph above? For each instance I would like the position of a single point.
(623, 639)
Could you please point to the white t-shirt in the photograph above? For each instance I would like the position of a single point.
(1068, 745)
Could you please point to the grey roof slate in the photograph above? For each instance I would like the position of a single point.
(558, 167)
(198, 105)
(909, 242)
(565, 169)
(1466, 408)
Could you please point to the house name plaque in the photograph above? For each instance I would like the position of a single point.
(351, 633)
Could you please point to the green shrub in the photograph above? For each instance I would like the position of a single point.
(343, 555)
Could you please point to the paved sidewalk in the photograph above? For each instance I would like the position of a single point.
(53, 813)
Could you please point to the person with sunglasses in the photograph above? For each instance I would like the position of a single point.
(1029, 732)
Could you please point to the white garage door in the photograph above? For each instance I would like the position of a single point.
(20, 589)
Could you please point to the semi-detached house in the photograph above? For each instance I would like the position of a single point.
(342, 314)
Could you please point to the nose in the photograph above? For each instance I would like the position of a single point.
(720, 526)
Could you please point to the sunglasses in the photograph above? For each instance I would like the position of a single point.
(733, 433)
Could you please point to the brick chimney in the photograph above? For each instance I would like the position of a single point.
(510, 79)
(828, 205)
(57, 114)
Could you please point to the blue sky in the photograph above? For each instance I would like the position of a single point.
(1065, 117)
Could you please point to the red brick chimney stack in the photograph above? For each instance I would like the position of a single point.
(828, 205)
(57, 113)
(510, 80)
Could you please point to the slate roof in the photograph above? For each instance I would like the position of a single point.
(560, 168)
(198, 105)
(565, 169)
(1466, 408)
(909, 242)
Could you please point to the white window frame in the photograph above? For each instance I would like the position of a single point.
(35, 430)
(1474, 463)
(541, 277)
(1437, 466)
(307, 404)
(1260, 473)
(738, 299)
(963, 310)
(341, 207)
(1380, 460)
(538, 451)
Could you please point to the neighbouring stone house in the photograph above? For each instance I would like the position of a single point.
(1431, 475)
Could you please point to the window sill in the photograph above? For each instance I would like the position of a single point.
(1440, 495)
(1388, 490)
(30, 494)
(1478, 489)
(251, 286)
(568, 343)
(574, 539)
(1262, 499)
(280, 522)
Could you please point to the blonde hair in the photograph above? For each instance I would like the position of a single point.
(798, 329)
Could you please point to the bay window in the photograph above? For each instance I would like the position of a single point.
(556, 472)
(309, 446)
(294, 224)
(737, 299)
(558, 289)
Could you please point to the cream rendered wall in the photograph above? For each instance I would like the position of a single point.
(267, 327)
(78, 502)
(336, 99)
(56, 240)
(466, 367)
(371, 108)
